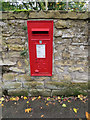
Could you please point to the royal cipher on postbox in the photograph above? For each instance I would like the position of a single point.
(40, 43)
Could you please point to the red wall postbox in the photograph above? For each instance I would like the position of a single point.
(40, 42)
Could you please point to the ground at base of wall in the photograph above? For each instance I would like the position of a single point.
(44, 107)
(59, 89)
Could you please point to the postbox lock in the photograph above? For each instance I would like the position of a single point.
(36, 71)
(40, 41)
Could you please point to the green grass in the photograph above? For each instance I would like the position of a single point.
(22, 10)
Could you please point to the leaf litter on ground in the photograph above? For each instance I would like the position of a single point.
(47, 100)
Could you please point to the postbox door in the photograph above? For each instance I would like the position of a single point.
(41, 48)
(41, 59)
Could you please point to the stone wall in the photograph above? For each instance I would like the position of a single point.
(70, 67)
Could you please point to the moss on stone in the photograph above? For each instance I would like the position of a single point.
(68, 92)
(83, 86)
(33, 84)
(18, 92)
(58, 84)
(41, 92)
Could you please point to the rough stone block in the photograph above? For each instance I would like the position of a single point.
(57, 56)
(6, 15)
(15, 41)
(61, 24)
(9, 76)
(12, 85)
(58, 47)
(66, 54)
(15, 69)
(59, 70)
(18, 92)
(64, 62)
(16, 47)
(6, 62)
(13, 15)
(40, 92)
(58, 33)
(79, 85)
(44, 14)
(74, 15)
(58, 40)
(72, 69)
(64, 36)
(67, 77)
(24, 77)
(61, 92)
(53, 14)
(19, 33)
(6, 35)
(40, 78)
(55, 77)
(56, 85)
(82, 39)
(73, 89)
(14, 54)
(81, 76)
(64, 42)
(21, 15)
(34, 84)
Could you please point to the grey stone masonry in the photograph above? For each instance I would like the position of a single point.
(70, 54)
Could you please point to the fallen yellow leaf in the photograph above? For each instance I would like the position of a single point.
(27, 101)
(17, 98)
(63, 105)
(69, 101)
(81, 98)
(33, 98)
(2, 99)
(78, 96)
(39, 97)
(47, 104)
(28, 110)
(42, 116)
(25, 98)
(48, 98)
(2, 105)
(0, 102)
(75, 110)
(87, 116)
(59, 98)
(12, 98)
(15, 103)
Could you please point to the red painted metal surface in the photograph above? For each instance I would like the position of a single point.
(40, 42)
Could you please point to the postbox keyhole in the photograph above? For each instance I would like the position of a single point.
(40, 41)
(36, 71)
